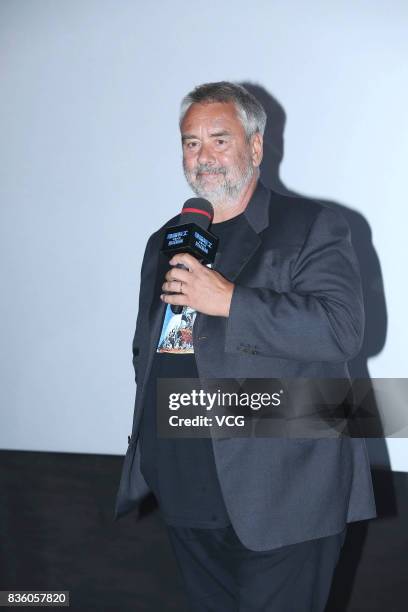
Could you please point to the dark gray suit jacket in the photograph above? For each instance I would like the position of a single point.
(296, 312)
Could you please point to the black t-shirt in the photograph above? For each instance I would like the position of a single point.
(181, 472)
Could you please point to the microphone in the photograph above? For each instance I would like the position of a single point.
(192, 235)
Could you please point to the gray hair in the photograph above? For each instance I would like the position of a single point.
(249, 109)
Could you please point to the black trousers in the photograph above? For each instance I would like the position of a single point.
(221, 575)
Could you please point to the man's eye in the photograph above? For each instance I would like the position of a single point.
(220, 141)
(191, 145)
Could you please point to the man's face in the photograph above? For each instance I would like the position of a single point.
(218, 160)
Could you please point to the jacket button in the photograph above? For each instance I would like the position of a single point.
(129, 439)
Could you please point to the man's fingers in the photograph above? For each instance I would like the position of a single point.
(175, 285)
(178, 299)
(177, 274)
(186, 259)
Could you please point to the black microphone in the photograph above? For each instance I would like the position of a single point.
(192, 235)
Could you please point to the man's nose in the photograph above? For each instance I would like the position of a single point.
(206, 154)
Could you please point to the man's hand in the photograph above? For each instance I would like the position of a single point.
(199, 287)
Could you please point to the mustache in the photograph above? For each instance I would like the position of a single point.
(209, 169)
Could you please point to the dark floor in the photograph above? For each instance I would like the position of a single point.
(57, 532)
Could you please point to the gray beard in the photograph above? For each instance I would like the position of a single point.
(225, 195)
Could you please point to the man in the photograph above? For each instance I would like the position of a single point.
(255, 523)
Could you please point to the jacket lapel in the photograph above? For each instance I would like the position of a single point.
(240, 251)
(157, 307)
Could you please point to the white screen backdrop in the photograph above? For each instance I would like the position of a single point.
(90, 165)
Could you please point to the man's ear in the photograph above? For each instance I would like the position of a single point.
(256, 149)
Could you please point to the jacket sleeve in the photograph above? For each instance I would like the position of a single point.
(321, 318)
